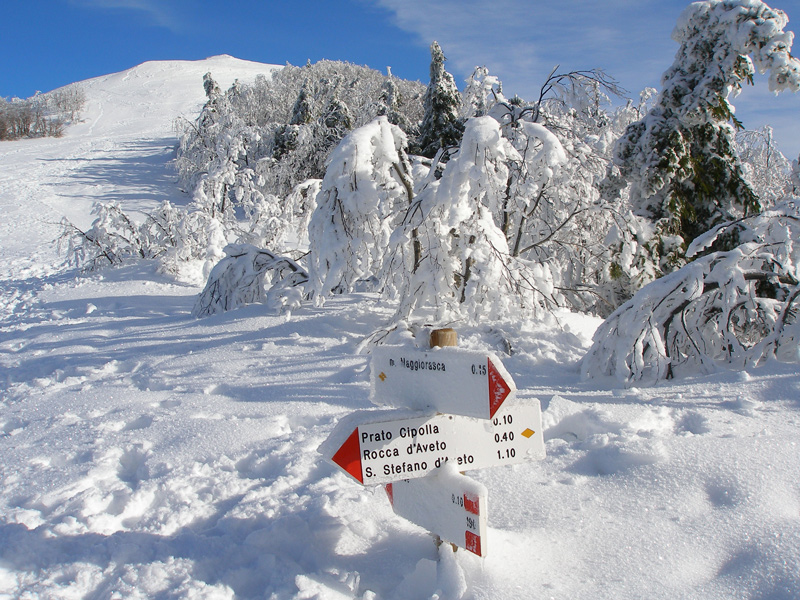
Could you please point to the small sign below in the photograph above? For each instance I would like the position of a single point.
(446, 503)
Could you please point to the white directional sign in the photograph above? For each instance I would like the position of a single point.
(448, 380)
(451, 505)
(382, 452)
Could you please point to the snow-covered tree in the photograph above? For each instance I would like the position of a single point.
(298, 208)
(249, 275)
(390, 105)
(441, 125)
(765, 168)
(466, 270)
(680, 159)
(115, 236)
(482, 92)
(41, 115)
(365, 191)
(552, 213)
(302, 111)
(536, 222)
(211, 87)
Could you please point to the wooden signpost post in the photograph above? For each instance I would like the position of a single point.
(477, 425)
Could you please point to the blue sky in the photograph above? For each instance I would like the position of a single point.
(50, 43)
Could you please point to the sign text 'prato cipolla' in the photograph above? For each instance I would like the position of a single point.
(385, 451)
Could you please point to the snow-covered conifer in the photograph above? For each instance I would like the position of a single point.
(302, 111)
(390, 105)
(441, 125)
(211, 87)
(735, 308)
(680, 158)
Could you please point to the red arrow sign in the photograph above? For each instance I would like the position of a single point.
(349, 456)
(499, 390)
(386, 451)
(448, 380)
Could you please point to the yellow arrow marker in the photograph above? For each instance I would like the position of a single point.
(382, 376)
(528, 433)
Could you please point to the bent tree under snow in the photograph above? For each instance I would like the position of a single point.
(365, 192)
(736, 308)
(248, 275)
(466, 269)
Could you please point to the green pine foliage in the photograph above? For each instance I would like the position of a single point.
(441, 125)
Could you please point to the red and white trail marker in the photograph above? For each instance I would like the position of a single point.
(386, 451)
(419, 457)
(447, 380)
(452, 506)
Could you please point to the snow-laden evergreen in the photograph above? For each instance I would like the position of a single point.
(441, 125)
(680, 159)
(737, 308)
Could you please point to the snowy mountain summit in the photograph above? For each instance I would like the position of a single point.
(149, 97)
(149, 454)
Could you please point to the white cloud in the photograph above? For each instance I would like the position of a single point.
(159, 13)
(521, 41)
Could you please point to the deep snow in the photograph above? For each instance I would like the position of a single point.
(148, 454)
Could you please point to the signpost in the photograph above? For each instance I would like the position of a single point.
(385, 451)
(448, 380)
(478, 426)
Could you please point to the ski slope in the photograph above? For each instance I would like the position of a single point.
(148, 454)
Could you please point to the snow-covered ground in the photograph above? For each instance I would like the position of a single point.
(148, 454)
